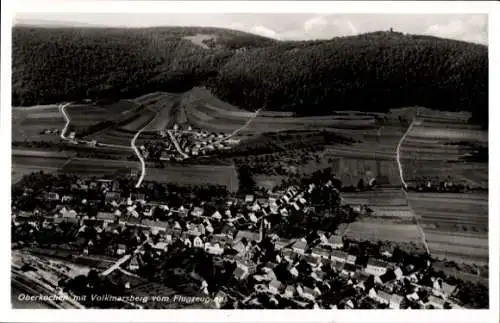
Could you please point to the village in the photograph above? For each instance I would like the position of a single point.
(179, 144)
(102, 219)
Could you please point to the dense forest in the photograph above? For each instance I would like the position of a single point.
(369, 72)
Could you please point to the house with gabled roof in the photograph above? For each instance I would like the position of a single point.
(249, 235)
(300, 246)
(351, 259)
(395, 301)
(240, 274)
(289, 291)
(320, 253)
(383, 297)
(306, 293)
(334, 241)
(249, 198)
(376, 267)
(198, 242)
(274, 286)
(283, 212)
(447, 289)
(216, 216)
(252, 217)
(134, 263)
(121, 249)
(339, 256)
(436, 302)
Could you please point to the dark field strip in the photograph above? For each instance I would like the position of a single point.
(98, 167)
(113, 136)
(120, 107)
(50, 122)
(138, 123)
(195, 175)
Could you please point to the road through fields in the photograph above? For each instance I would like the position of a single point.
(138, 153)
(62, 108)
(405, 186)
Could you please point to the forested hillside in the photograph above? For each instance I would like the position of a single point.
(371, 72)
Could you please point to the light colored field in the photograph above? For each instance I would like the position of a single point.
(452, 134)
(383, 231)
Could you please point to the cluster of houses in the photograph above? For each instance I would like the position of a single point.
(237, 233)
(313, 289)
(194, 142)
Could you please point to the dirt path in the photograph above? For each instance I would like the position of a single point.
(405, 185)
(235, 132)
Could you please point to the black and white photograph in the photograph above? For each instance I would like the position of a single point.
(245, 161)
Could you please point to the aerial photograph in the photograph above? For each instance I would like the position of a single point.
(249, 161)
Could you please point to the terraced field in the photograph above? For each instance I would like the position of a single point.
(164, 103)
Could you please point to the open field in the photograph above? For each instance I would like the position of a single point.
(195, 175)
(376, 230)
(456, 225)
(122, 107)
(27, 123)
(85, 115)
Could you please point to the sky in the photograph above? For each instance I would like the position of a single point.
(467, 27)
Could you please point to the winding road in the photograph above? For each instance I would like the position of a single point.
(138, 153)
(62, 109)
(405, 185)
